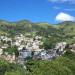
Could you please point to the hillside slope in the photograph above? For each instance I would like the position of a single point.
(25, 26)
(67, 30)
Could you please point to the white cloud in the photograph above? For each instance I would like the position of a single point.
(56, 7)
(69, 9)
(63, 1)
(64, 17)
(65, 9)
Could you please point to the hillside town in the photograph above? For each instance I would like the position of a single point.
(29, 48)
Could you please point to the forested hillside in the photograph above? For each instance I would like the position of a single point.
(52, 34)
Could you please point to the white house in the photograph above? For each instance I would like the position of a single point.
(1, 51)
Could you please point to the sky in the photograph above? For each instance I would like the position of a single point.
(51, 11)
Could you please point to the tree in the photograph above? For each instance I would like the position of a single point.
(11, 50)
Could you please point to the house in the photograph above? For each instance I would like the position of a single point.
(45, 55)
(23, 55)
(1, 51)
(60, 46)
(72, 47)
(20, 47)
(4, 46)
(11, 58)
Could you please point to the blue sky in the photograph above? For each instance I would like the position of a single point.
(50, 11)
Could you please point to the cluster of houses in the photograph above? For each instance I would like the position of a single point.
(51, 54)
(29, 48)
(4, 45)
(25, 46)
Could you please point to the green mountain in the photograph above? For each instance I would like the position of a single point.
(25, 26)
(63, 65)
(67, 27)
(67, 30)
(64, 31)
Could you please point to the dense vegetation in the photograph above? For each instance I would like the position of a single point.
(25, 26)
(10, 68)
(63, 31)
(11, 50)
